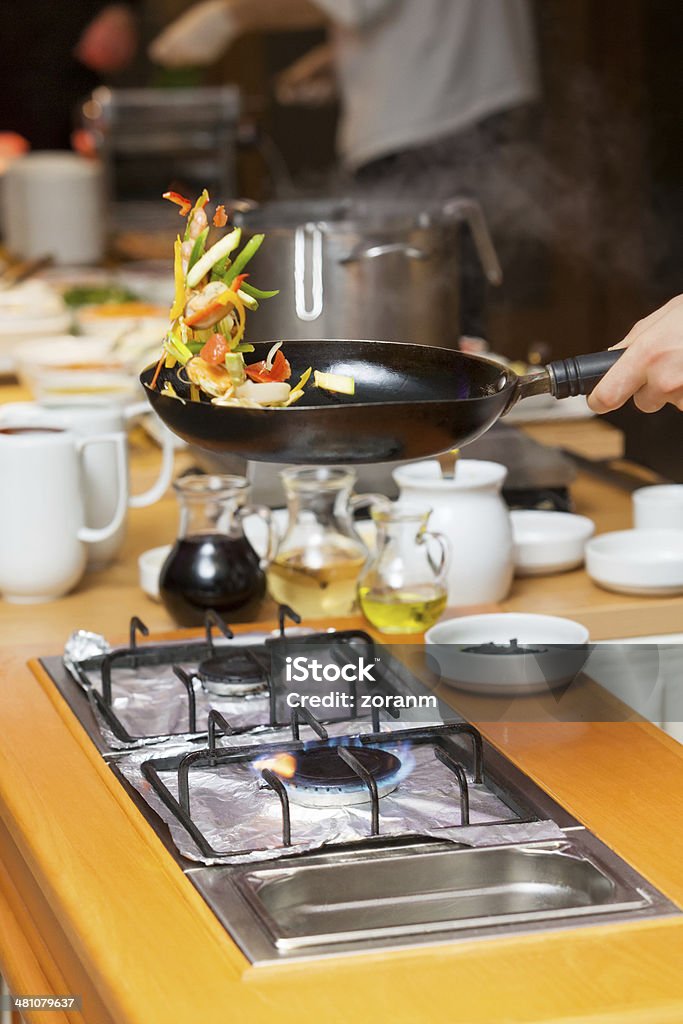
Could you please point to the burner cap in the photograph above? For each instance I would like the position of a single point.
(234, 674)
(323, 778)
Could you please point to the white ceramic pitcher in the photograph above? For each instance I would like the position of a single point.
(100, 483)
(470, 511)
(43, 526)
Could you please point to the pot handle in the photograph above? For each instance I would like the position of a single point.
(264, 513)
(308, 249)
(370, 251)
(468, 211)
(565, 378)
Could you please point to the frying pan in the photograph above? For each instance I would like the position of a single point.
(411, 402)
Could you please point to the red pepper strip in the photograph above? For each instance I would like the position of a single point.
(155, 378)
(236, 283)
(220, 217)
(280, 370)
(184, 204)
(215, 350)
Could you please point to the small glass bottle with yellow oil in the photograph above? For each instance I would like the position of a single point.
(403, 588)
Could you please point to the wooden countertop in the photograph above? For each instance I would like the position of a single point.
(91, 902)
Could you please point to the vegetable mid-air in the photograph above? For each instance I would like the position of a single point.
(206, 337)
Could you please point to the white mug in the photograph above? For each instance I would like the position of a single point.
(43, 529)
(100, 484)
(659, 507)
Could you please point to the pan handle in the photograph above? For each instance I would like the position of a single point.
(564, 378)
(580, 374)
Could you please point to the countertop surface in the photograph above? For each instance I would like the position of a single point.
(92, 903)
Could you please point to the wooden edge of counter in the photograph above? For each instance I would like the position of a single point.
(545, 977)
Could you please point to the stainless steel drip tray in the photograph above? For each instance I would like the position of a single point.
(385, 897)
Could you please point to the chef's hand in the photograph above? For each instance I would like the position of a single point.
(651, 370)
(198, 37)
(109, 41)
(310, 81)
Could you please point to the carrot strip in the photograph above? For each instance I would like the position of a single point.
(155, 378)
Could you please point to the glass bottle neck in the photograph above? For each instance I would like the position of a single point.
(206, 515)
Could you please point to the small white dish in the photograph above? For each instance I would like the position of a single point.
(562, 650)
(149, 569)
(658, 508)
(69, 370)
(548, 542)
(643, 562)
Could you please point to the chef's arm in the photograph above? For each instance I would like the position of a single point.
(200, 35)
(276, 15)
(205, 30)
(355, 13)
(651, 369)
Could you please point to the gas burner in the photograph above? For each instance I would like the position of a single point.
(232, 674)
(322, 778)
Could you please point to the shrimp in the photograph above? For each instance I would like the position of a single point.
(198, 223)
(204, 308)
(185, 253)
(214, 380)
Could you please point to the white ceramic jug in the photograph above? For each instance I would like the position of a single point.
(43, 525)
(100, 482)
(470, 511)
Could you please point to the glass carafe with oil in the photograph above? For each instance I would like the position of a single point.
(320, 556)
(403, 588)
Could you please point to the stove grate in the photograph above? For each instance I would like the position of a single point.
(440, 737)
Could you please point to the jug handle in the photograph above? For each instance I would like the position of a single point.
(93, 535)
(357, 502)
(444, 549)
(361, 501)
(264, 513)
(158, 489)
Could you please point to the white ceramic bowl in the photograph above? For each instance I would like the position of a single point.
(27, 311)
(91, 322)
(149, 569)
(563, 644)
(647, 562)
(70, 370)
(659, 507)
(548, 542)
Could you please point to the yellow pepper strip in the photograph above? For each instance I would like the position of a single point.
(178, 280)
(233, 298)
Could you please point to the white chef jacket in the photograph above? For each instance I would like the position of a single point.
(413, 71)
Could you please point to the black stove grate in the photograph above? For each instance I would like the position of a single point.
(207, 656)
(439, 737)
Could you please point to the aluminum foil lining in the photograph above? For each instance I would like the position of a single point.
(236, 811)
(151, 702)
(82, 645)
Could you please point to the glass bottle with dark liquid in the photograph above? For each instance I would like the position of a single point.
(212, 565)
